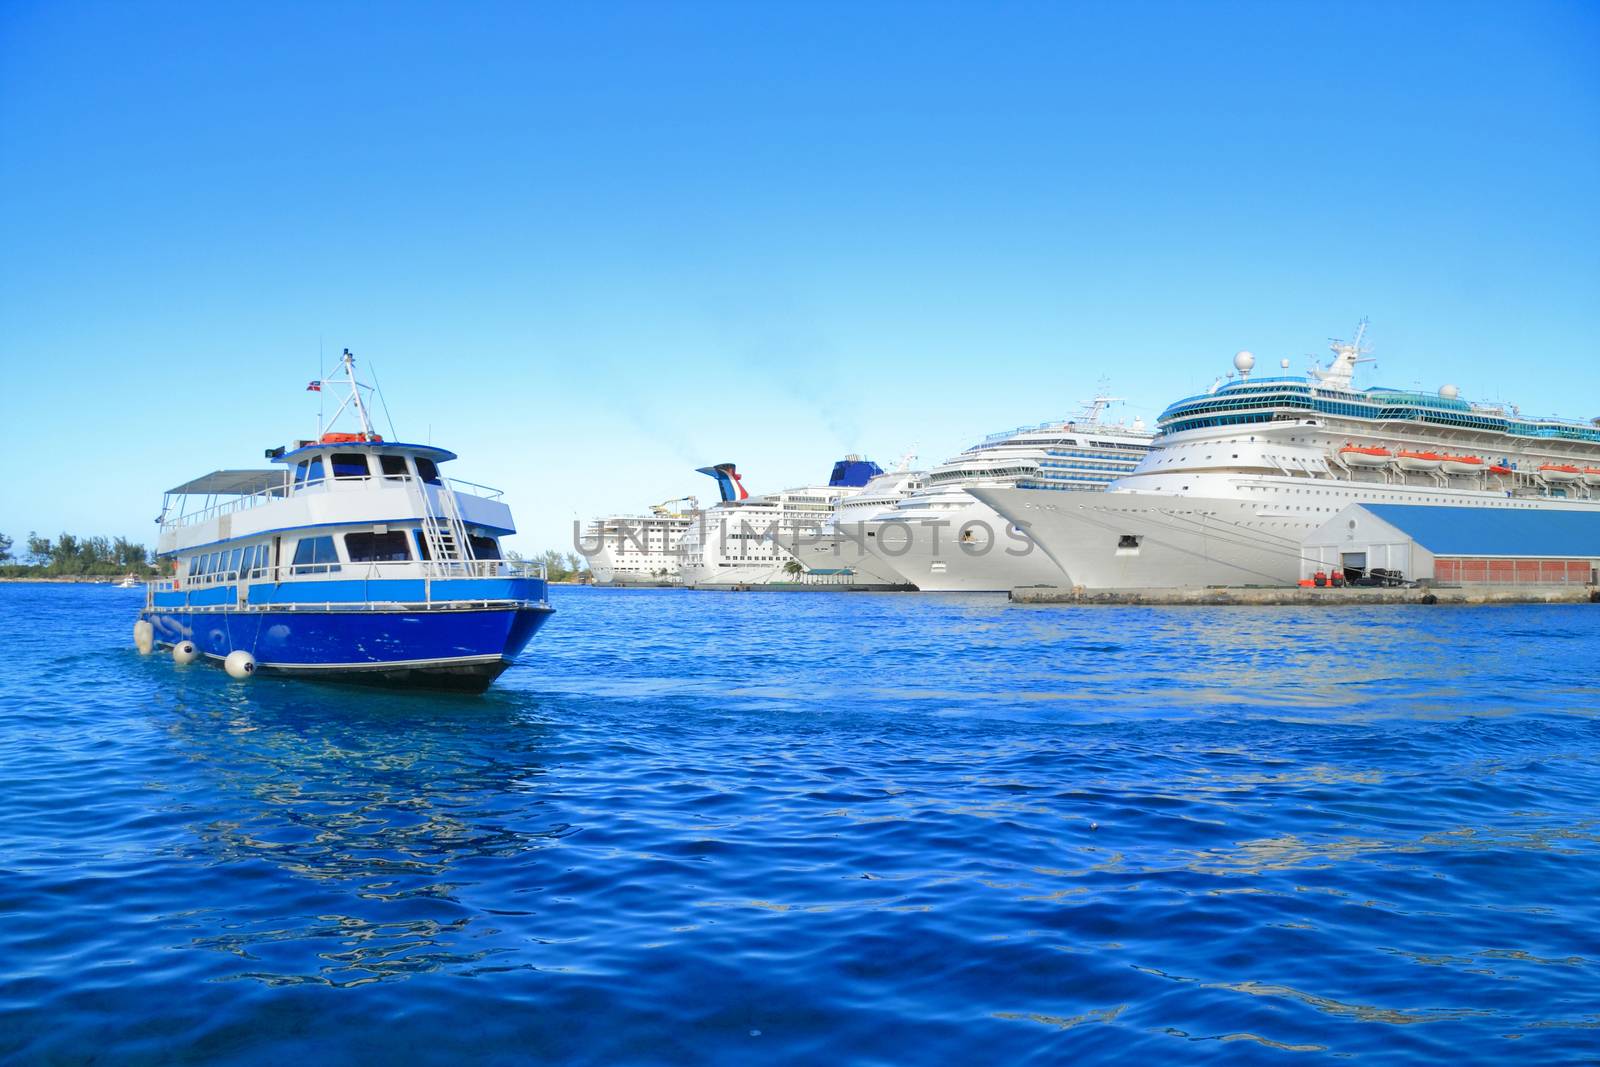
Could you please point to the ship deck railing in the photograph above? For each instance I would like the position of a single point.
(371, 570)
(225, 507)
(245, 501)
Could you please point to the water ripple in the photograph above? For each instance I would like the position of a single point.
(875, 829)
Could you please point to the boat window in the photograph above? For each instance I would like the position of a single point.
(484, 547)
(300, 472)
(349, 465)
(314, 471)
(233, 561)
(422, 545)
(315, 555)
(247, 562)
(393, 466)
(376, 548)
(427, 470)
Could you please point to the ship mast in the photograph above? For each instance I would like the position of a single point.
(354, 400)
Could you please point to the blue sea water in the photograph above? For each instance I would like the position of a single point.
(827, 828)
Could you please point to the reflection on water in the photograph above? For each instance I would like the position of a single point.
(396, 804)
(817, 828)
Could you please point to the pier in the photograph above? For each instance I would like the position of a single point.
(1293, 595)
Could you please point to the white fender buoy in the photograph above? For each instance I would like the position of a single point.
(239, 664)
(184, 652)
(144, 637)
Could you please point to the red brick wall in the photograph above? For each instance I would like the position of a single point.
(1455, 571)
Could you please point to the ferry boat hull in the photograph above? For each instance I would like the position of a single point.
(459, 648)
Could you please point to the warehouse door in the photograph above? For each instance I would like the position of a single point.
(1354, 565)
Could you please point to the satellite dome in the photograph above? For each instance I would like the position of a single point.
(1449, 392)
(1243, 361)
(1284, 363)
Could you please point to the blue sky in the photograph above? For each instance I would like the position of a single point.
(591, 247)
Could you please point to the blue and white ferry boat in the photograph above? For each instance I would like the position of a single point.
(353, 559)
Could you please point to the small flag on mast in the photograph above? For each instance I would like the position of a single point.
(314, 387)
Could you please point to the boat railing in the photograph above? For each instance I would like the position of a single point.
(286, 490)
(428, 571)
(373, 569)
(226, 507)
(484, 491)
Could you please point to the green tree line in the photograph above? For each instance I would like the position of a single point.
(71, 556)
(560, 567)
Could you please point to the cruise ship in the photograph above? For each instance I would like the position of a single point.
(746, 540)
(353, 559)
(640, 549)
(941, 538)
(1242, 473)
(838, 545)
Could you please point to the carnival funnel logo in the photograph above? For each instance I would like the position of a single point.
(727, 481)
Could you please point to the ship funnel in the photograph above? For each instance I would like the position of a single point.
(853, 471)
(727, 481)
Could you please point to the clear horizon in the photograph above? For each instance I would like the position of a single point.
(592, 250)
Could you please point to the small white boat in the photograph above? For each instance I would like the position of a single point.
(1355, 456)
(1418, 461)
(1461, 465)
(1560, 473)
(129, 582)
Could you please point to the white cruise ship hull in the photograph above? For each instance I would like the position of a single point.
(1185, 540)
(929, 552)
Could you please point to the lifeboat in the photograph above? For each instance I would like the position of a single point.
(1355, 456)
(1591, 476)
(348, 438)
(1418, 461)
(1560, 472)
(1461, 464)
(1499, 468)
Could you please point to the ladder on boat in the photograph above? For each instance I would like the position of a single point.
(443, 531)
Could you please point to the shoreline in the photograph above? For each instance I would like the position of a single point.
(78, 579)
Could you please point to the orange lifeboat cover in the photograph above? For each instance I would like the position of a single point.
(1565, 468)
(348, 438)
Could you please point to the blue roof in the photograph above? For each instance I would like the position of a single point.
(1447, 531)
(438, 455)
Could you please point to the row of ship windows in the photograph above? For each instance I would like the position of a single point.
(353, 466)
(314, 555)
(1056, 452)
(1176, 421)
(1120, 468)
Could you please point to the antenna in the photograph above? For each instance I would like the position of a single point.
(393, 436)
(353, 401)
(1346, 354)
(321, 361)
(1093, 408)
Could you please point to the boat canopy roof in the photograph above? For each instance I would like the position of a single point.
(438, 455)
(230, 483)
